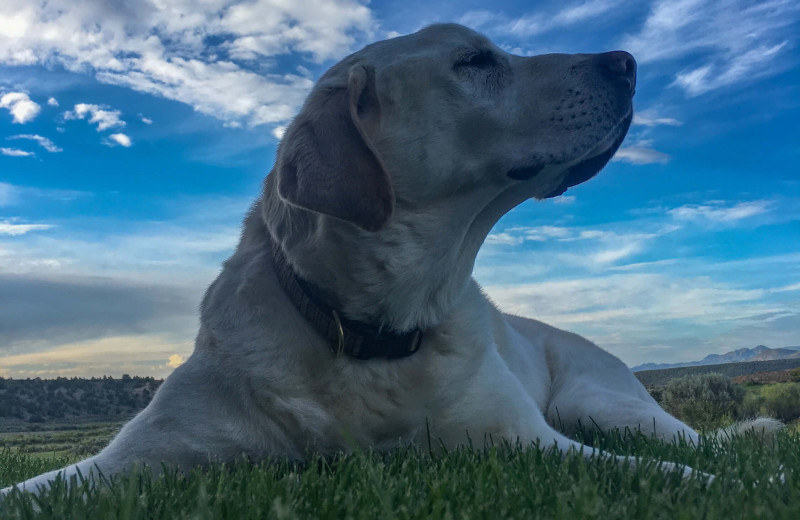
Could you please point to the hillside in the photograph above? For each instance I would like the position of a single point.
(759, 353)
(657, 378)
(65, 400)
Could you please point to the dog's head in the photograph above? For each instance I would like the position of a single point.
(409, 122)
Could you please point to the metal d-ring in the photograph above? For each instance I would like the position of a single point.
(416, 340)
(340, 332)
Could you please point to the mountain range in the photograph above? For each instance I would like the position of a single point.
(759, 353)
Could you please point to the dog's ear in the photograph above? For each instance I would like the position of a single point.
(327, 162)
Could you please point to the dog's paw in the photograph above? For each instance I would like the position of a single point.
(764, 427)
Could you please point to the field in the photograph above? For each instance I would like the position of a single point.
(59, 439)
(496, 482)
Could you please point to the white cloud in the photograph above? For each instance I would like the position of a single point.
(44, 142)
(22, 108)
(481, 19)
(787, 288)
(99, 114)
(9, 227)
(536, 23)
(737, 40)
(199, 53)
(114, 355)
(583, 11)
(145, 120)
(176, 360)
(504, 238)
(14, 152)
(640, 155)
(627, 297)
(121, 139)
(716, 211)
(519, 234)
(564, 199)
(690, 304)
(649, 118)
(600, 247)
(53, 102)
(745, 67)
(266, 28)
(611, 247)
(545, 250)
(593, 234)
(188, 248)
(609, 256)
(543, 233)
(278, 132)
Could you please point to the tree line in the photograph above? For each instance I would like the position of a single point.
(43, 400)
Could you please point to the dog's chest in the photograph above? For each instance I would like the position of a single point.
(380, 402)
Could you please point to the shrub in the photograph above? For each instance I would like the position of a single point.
(782, 400)
(703, 400)
(753, 404)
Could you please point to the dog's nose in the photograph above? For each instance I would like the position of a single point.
(622, 65)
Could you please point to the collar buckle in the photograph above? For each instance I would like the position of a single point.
(339, 349)
(416, 341)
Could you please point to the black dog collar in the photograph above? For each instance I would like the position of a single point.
(359, 340)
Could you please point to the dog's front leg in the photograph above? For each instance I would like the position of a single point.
(125, 451)
(493, 406)
(193, 418)
(490, 406)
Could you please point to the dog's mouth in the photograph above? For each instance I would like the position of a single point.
(584, 168)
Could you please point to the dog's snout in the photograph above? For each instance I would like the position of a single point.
(620, 64)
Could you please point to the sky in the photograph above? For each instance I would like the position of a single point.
(135, 134)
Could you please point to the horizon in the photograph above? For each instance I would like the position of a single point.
(133, 140)
(636, 368)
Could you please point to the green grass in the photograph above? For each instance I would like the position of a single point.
(498, 482)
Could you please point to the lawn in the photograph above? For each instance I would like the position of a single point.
(497, 482)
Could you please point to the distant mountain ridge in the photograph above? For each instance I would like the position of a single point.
(759, 353)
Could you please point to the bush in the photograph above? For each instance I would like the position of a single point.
(703, 400)
(782, 400)
(753, 405)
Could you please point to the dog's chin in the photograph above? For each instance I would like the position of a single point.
(594, 160)
(578, 170)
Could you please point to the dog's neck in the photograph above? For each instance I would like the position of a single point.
(408, 276)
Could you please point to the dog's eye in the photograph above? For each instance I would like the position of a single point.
(477, 60)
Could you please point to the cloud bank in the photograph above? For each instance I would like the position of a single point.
(214, 55)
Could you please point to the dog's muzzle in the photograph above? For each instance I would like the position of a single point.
(616, 71)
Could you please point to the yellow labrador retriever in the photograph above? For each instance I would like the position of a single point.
(348, 317)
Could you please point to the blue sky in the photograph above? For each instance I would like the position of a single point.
(133, 136)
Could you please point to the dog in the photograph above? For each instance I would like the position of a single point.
(347, 317)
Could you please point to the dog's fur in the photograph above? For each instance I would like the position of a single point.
(400, 162)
